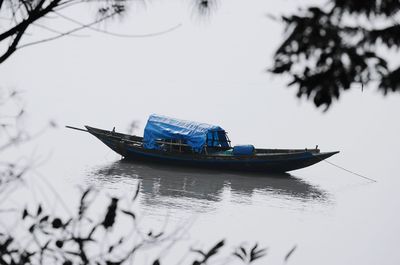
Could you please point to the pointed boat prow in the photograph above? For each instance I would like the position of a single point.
(326, 155)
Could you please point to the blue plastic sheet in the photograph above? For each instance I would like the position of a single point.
(194, 134)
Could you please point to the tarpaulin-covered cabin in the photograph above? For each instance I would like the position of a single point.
(161, 131)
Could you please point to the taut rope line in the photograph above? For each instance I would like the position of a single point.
(352, 172)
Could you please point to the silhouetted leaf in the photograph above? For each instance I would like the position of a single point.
(253, 248)
(290, 253)
(129, 213)
(39, 210)
(108, 262)
(256, 253)
(238, 255)
(67, 222)
(243, 251)
(214, 250)
(25, 214)
(82, 205)
(57, 223)
(136, 192)
(4, 245)
(44, 219)
(110, 249)
(208, 254)
(109, 219)
(46, 232)
(32, 228)
(198, 251)
(158, 235)
(59, 243)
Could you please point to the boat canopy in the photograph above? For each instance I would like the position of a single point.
(196, 135)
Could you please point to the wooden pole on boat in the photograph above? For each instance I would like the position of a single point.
(74, 128)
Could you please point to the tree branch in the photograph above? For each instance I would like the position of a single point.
(55, 31)
(37, 13)
(13, 47)
(67, 32)
(121, 35)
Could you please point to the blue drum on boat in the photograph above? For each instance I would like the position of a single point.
(243, 150)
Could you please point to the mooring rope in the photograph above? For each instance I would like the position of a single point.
(347, 170)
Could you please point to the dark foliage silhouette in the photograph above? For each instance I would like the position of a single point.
(328, 49)
(80, 239)
(250, 255)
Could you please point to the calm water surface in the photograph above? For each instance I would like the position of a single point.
(332, 216)
(200, 191)
(243, 207)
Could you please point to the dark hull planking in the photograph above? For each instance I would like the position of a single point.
(265, 160)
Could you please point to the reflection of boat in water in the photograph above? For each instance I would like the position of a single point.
(161, 182)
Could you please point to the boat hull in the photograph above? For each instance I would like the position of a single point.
(268, 162)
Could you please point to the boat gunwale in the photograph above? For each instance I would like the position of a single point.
(121, 138)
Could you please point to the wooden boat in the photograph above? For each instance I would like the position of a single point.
(213, 154)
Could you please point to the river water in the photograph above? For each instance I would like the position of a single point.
(212, 72)
(330, 215)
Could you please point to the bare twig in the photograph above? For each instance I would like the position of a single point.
(122, 35)
(68, 32)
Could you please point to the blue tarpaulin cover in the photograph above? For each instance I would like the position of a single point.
(192, 133)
